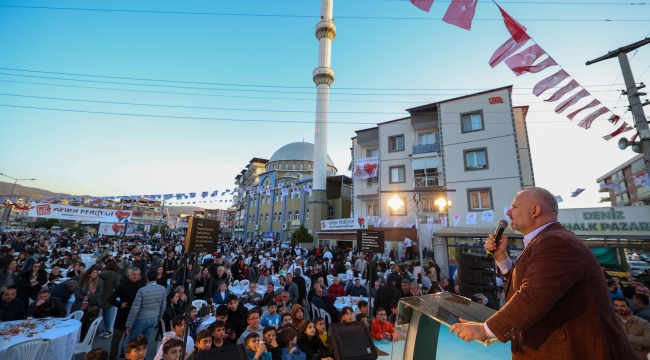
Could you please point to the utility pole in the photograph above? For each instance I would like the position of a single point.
(631, 90)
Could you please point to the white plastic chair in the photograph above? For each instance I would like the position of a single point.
(315, 311)
(325, 315)
(198, 304)
(87, 344)
(244, 283)
(330, 279)
(307, 309)
(235, 283)
(77, 315)
(28, 350)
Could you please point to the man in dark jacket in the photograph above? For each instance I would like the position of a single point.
(126, 292)
(302, 285)
(237, 314)
(386, 293)
(171, 263)
(64, 290)
(140, 263)
(10, 308)
(46, 306)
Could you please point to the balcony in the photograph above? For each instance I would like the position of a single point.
(420, 149)
(642, 193)
(425, 181)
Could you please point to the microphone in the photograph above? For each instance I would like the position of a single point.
(498, 232)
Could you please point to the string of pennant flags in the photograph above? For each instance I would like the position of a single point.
(189, 198)
(461, 13)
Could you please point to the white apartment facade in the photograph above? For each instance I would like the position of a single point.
(472, 151)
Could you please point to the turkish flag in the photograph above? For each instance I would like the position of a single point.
(460, 13)
(572, 100)
(614, 119)
(623, 128)
(586, 122)
(591, 104)
(549, 82)
(525, 58)
(558, 94)
(495, 100)
(517, 30)
(508, 48)
(548, 62)
(424, 5)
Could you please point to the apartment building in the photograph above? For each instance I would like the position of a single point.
(470, 153)
(623, 185)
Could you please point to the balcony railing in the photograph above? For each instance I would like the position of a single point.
(642, 193)
(419, 149)
(420, 181)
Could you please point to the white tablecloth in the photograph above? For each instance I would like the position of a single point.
(63, 340)
(237, 290)
(343, 301)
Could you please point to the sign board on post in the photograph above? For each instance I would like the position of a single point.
(370, 241)
(202, 235)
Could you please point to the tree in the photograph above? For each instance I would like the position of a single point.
(301, 235)
(51, 222)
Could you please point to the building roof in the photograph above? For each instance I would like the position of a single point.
(435, 104)
(297, 151)
(620, 167)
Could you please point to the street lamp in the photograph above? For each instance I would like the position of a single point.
(14, 187)
(395, 203)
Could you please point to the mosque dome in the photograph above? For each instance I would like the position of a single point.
(297, 151)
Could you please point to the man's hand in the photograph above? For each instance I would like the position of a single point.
(40, 302)
(499, 252)
(124, 305)
(128, 331)
(469, 331)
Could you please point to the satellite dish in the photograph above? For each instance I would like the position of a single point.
(623, 143)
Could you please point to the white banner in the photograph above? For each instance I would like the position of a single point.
(112, 229)
(66, 212)
(366, 168)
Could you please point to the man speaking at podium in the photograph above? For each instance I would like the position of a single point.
(556, 302)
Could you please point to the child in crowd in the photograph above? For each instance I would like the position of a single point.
(255, 347)
(346, 315)
(363, 319)
(270, 339)
(219, 336)
(311, 344)
(194, 322)
(382, 329)
(287, 339)
(136, 348)
(222, 315)
(96, 354)
(393, 312)
(363, 308)
(272, 318)
(253, 320)
(321, 330)
(172, 349)
(203, 343)
(178, 331)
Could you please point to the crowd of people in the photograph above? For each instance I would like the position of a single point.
(134, 282)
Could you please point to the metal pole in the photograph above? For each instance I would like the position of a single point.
(636, 107)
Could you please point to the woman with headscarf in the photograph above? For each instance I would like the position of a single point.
(297, 317)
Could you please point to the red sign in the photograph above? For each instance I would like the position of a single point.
(495, 100)
(43, 210)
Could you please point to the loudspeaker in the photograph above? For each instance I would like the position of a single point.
(351, 341)
(475, 261)
(468, 290)
(478, 276)
(233, 352)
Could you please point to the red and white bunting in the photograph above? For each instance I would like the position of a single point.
(586, 122)
(590, 105)
(621, 129)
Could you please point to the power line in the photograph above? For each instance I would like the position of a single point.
(238, 120)
(236, 90)
(295, 16)
(244, 85)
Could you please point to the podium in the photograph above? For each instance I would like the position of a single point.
(422, 337)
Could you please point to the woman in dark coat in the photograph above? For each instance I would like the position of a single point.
(202, 285)
(89, 291)
(172, 310)
(111, 281)
(31, 282)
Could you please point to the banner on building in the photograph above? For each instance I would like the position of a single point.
(67, 212)
(366, 168)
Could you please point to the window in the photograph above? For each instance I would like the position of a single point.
(399, 211)
(293, 166)
(296, 216)
(289, 215)
(280, 216)
(476, 159)
(396, 143)
(275, 216)
(330, 212)
(472, 122)
(397, 174)
(428, 138)
(286, 166)
(623, 185)
(372, 210)
(480, 199)
(309, 166)
(266, 217)
(372, 153)
(621, 198)
(307, 214)
(302, 166)
(372, 182)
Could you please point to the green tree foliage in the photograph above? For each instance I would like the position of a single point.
(51, 222)
(301, 236)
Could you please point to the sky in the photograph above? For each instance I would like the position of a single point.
(150, 97)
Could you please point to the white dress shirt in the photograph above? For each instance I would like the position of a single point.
(506, 265)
